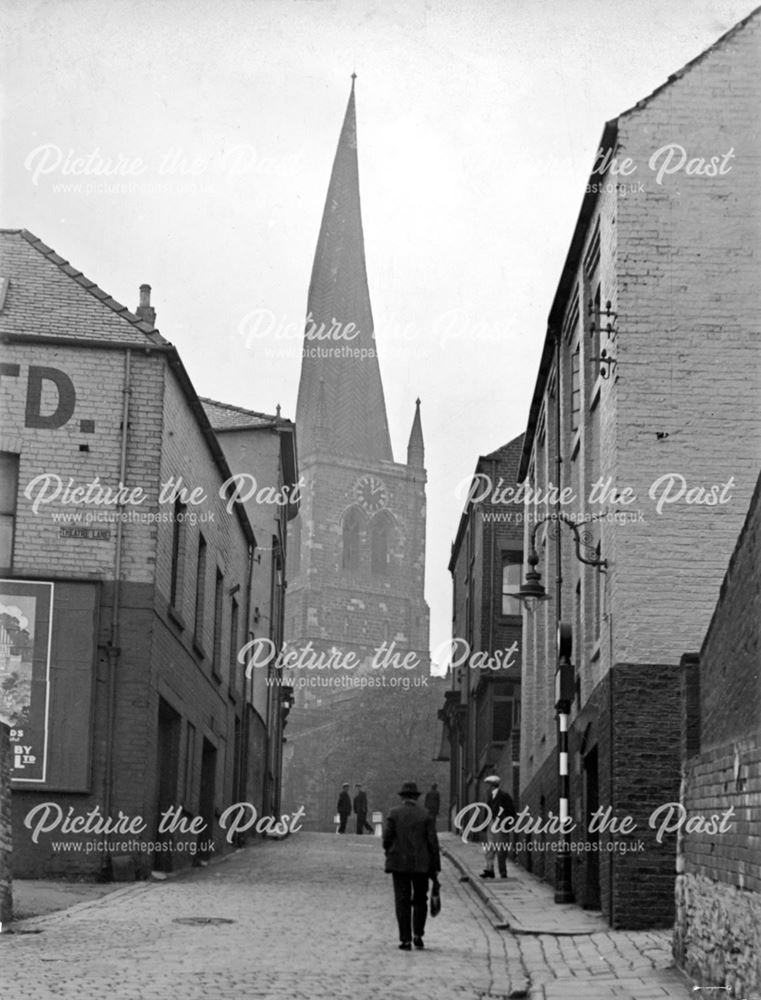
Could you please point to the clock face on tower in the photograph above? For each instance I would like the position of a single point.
(371, 493)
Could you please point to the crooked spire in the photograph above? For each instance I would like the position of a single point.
(340, 391)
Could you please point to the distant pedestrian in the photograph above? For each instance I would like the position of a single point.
(432, 801)
(360, 808)
(344, 807)
(412, 857)
(501, 806)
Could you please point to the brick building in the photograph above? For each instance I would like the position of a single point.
(481, 713)
(645, 414)
(358, 544)
(717, 936)
(128, 576)
(265, 443)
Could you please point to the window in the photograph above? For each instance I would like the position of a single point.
(575, 387)
(351, 525)
(178, 551)
(200, 589)
(190, 760)
(219, 590)
(8, 490)
(379, 546)
(502, 712)
(234, 644)
(512, 566)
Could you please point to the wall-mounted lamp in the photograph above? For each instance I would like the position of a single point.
(532, 590)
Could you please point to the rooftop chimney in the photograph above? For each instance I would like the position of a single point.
(145, 311)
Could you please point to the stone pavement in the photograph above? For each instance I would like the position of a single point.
(37, 897)
(311, 918)
(566, 951)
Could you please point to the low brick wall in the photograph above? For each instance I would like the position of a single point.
(6, 893)
(717, 937)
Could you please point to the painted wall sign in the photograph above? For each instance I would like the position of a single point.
(26, 615)
(52, 414)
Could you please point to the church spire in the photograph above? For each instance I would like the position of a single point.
(415, 447)
(339, 346)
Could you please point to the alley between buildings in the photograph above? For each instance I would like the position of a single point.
(311, 918)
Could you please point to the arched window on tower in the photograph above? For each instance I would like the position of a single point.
(351, 526)
(380, 538)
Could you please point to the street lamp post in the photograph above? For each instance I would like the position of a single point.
(531, 592)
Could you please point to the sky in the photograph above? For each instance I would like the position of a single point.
(189, 145)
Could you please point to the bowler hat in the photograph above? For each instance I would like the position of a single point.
(409, 790)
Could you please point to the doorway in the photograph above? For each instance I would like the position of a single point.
(591, 804)
(168, 770)
(206, 797)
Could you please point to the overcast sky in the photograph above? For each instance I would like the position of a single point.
(478, 124)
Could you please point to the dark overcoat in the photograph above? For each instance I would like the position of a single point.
(410, 841)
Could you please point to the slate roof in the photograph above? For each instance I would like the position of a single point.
(66, 319)
(225, 416)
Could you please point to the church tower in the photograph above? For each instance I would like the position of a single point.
(357, 553)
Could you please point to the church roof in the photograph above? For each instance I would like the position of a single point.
(340, 376)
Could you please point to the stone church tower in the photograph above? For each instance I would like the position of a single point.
(357, 550)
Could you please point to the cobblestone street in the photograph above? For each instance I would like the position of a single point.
(310, 918)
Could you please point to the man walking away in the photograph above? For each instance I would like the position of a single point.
(501, 805)
(412, 857)
(360, 808)
(344, 807)
(432, 801)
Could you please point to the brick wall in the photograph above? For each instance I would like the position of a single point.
(157, 667)
(678, 262)
(6, 840)
(645, 763)
(717, 936)
(689, 315)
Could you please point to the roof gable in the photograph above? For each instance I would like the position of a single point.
(48, 296)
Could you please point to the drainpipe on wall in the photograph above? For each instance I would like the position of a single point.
(242, 791)
(498, 590)
(113, 642)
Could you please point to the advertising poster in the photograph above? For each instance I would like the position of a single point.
(380, 457)
(25, 626)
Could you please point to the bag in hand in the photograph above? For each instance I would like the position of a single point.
(435, 898)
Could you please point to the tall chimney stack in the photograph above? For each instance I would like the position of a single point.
(145, 311)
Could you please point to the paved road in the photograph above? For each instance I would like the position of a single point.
(313, 919)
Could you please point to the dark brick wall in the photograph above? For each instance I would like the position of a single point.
(646, 746)
(631, 721)
(541, 797)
